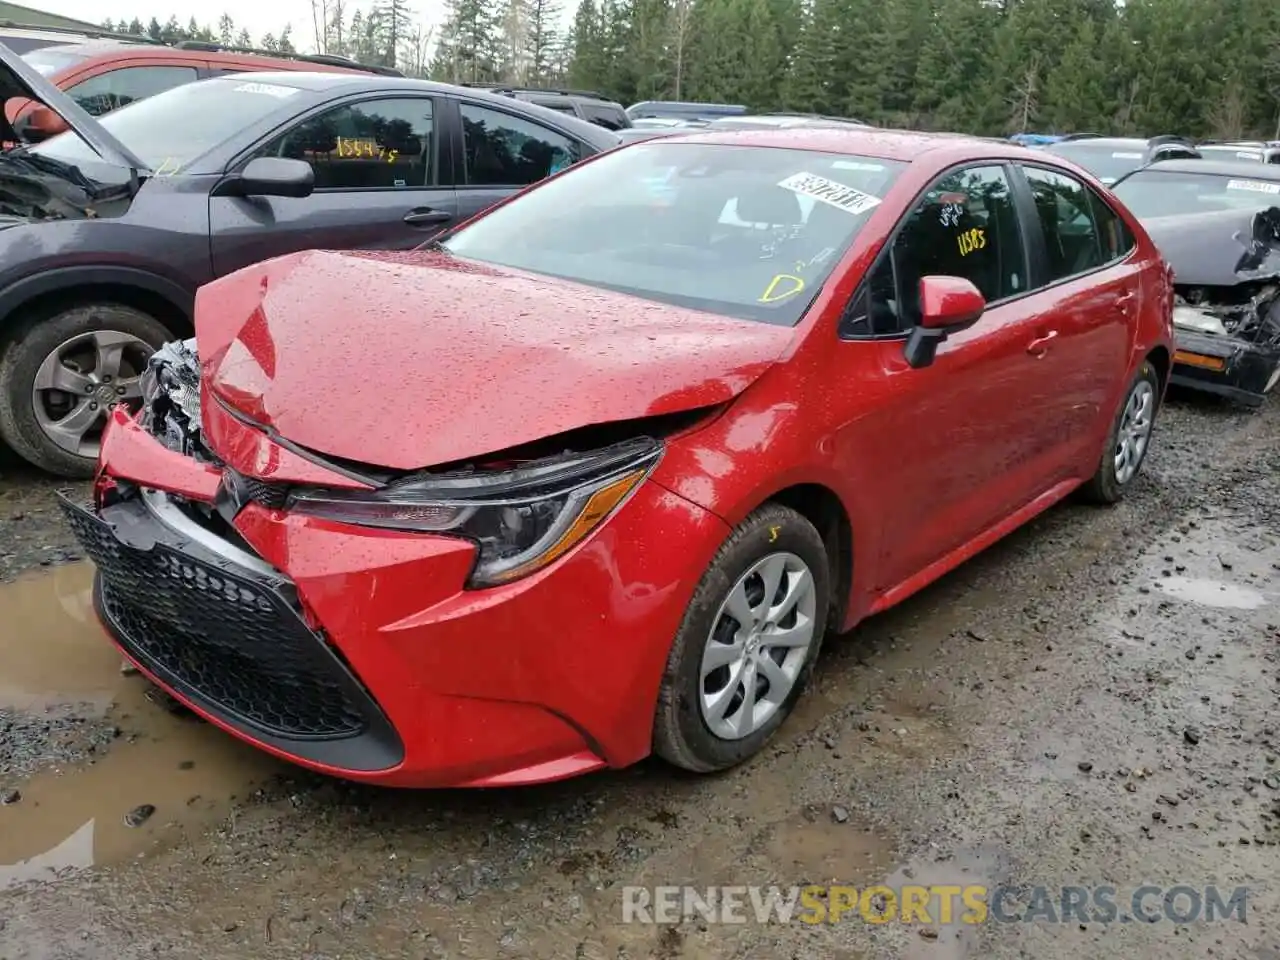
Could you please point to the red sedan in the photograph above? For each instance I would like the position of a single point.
(593, 476)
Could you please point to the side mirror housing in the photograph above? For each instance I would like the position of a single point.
(41, 123)
(947, 305)
(270, 177)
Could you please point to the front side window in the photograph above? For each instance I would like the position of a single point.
(965, 226)
(1071, 237)
(118, 88)
(610, 119)
(379, 144)
(502, 150)
(745, 232)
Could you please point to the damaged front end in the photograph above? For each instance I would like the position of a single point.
(1227, 308)
(522, 508)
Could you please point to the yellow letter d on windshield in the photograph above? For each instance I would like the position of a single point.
(780, 287)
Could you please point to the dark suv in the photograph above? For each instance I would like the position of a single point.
(107, 230)
(1110, 158)
(584, 104)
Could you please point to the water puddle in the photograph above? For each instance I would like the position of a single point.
(1212, 593)
(56, 663)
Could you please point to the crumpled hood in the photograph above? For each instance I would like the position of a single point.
(1221, 248)
(409, 360)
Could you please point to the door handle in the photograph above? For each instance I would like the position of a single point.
(1125, 301)
(425, 215)
(1040, 345)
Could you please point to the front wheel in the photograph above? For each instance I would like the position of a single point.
(1129, 439)
(747, 644)
(61, 374)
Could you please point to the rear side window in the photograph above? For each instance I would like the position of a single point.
(1114, 236)
(1072, 241)
(119, 88)
(502, 150)
(611, 118)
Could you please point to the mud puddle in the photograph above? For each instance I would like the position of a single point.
(133, 757)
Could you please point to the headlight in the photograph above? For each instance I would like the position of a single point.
(521, 519)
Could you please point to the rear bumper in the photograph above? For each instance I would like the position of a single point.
(1247, 373)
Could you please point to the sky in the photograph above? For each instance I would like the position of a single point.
(258, 16)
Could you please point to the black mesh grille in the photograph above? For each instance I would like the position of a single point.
(270, 495)
(231, 639)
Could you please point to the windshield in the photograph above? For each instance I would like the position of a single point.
(169, 130)
(1107, 163)
(1156, 193)
(1228, 152)
(49, 60)
(746, 232)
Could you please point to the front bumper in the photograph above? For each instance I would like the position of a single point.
(1246, 372)
(358, 652)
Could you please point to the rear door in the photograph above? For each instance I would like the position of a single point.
(500, 152)
(381, 184)
(1091, 295)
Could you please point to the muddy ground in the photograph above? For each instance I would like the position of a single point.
(1093, 701)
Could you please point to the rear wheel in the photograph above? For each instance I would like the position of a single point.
(747, 645)
(61, 374)
(1129, 439)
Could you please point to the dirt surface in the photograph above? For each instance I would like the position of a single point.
(1093, 701)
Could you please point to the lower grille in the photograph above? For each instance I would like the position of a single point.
(226, 635)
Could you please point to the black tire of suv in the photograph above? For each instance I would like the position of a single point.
(28, 348)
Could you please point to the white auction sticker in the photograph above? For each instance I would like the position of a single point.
(1254, 186)
(830, 192)
(1126, 156)
(1248, 155)
(270, 89)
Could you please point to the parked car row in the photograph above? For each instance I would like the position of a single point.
(111, 227)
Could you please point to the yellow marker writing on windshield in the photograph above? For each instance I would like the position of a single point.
(168, 167)
(780, 287)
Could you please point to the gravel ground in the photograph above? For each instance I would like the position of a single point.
(1090, 702)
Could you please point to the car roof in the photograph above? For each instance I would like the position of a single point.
(1251, 169)
(861, 141)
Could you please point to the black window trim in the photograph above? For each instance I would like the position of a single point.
(1041, 270)
(242, 158)
(1013, 177)
(584, 149)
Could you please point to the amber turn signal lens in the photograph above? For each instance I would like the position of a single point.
(1199, 360)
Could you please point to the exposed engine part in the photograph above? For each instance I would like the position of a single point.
(171, 398)
(1248, 311)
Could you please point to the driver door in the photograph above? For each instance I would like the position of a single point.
(967, 440)
(378, 186)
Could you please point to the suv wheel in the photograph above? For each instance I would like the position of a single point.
(62, 372)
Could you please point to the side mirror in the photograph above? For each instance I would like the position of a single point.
(947, 304)
(270, 177)
(41, 123)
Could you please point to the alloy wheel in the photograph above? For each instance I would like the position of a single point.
(757, 646)
(83, 378)
(1135, 431)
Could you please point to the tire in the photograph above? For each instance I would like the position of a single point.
(1108, 484)
(36, 342)
(682, 734)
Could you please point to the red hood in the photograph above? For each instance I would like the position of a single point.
(408, 360)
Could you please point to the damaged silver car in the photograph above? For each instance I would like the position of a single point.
(1218, 226)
